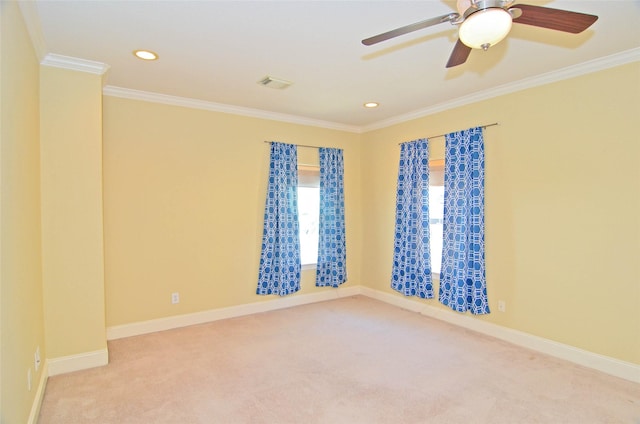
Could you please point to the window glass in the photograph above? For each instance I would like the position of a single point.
(309, 212)
(436, 212)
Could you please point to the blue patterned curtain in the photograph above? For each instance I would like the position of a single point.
(280, 258)
(462, 277)
(331, 269)
(411, 273)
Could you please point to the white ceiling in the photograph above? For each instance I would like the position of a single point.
(216, 51)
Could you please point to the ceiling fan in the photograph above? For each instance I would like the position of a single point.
(484, 23)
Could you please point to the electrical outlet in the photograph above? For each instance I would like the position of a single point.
(37, 358)
(29, 379)
(175, 298)
(501, 306)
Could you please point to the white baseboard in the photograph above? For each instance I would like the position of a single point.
(612, 366)
(82, 361)
(161, 324)
(37, 401)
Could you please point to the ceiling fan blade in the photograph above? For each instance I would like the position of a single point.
(409, 28)
(459, 54)
(560, 20)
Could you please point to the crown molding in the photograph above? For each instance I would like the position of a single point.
(31, 18)
(32, 21)
(595, 65)
(127, 93)
(74, 64)
(29, 10)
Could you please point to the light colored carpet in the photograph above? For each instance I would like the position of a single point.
(351, 360)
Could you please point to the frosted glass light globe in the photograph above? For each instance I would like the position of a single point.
(485, 28)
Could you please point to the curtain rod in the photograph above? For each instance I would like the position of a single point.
(299, 145)
(442, 135)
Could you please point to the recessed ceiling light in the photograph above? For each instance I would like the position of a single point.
(371, 104)
(145, 54)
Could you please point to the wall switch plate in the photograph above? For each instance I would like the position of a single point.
(175, 298)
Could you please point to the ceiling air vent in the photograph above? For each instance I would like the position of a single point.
(276, 83)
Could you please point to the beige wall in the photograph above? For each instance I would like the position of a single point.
(184, 204)
(562, 207)
(184, 196)
(555, 253)
(21, 317)
(72, 233)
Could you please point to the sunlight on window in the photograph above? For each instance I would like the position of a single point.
(309, 216)
(436, 212)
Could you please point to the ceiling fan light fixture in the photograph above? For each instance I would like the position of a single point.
(485, 28)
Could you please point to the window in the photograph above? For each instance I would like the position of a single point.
(436, 212)
(309, 212)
